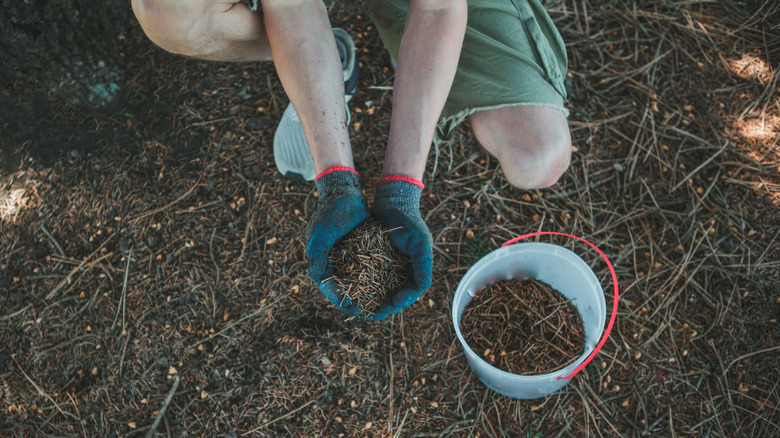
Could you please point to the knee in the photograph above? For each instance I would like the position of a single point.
(532, 143)
(175, 25)
(537, 162)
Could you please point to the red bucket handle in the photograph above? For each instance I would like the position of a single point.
(614, 282)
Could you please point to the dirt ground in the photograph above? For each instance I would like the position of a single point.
(152, 270)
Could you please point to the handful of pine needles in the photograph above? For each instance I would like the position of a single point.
(367, 267)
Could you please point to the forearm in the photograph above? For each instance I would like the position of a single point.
(427, 60)
(307, 61)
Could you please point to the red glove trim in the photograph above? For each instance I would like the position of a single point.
(402, 178)
(335, 169)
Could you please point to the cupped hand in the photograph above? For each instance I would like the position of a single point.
(397, 206)
(341, 208)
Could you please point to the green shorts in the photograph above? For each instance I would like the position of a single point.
(512, 55)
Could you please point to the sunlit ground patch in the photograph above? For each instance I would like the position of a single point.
(763, 128)
(751, 67)
(14, 195)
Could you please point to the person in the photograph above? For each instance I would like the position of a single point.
(499, 64)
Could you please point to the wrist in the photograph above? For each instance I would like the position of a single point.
(407, 158)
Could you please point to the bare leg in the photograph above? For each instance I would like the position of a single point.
(532, 143)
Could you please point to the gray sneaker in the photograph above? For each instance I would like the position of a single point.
(291, 151)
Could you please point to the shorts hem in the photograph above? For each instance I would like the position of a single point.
(447, 125)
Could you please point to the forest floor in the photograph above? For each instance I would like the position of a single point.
(153, 278)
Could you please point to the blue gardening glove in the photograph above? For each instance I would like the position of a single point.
(341, 208)
(397, 206)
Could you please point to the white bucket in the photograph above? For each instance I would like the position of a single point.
(565, 272)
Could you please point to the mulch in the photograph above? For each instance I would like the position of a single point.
(523, 327)
(152, 262)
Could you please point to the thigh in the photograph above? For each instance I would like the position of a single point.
(222, 30)
(171, 23)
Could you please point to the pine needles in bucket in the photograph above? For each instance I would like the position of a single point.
(523, 327)
(367, 267)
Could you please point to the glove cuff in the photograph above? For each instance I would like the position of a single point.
(338, 182)
(335, 169)
(416, 182)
